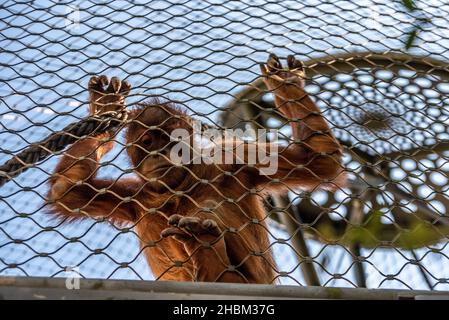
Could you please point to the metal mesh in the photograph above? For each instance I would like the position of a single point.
(388, 108)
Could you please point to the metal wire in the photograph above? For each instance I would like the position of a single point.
(388, 108)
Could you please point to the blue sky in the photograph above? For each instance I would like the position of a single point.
(199, 53)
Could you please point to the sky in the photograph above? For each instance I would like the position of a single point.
(200, 54)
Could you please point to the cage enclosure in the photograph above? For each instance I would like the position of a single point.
(376, 70)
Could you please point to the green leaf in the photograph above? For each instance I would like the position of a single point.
(409, 4)
(411, 38)
(418, 235)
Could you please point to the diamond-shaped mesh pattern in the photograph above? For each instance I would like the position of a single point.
(388, 227)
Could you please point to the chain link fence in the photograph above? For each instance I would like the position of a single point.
(387, 106)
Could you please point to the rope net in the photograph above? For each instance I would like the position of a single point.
(387, 226)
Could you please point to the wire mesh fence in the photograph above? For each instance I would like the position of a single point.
(387, 227)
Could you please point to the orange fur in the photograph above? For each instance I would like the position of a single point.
(196, 223)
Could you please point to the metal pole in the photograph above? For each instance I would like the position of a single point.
(55, 288)
(299, 243)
